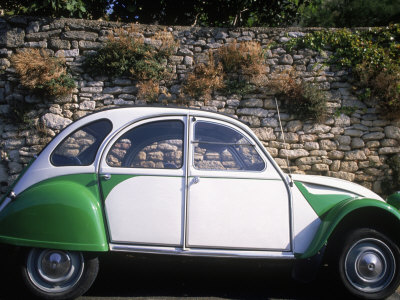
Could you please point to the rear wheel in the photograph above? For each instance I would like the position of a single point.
(58, 274)
(368, 264)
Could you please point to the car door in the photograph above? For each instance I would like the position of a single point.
(142, 177)
(236, 199)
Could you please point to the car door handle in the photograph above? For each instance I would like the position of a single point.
(195, 180)
(106, 176)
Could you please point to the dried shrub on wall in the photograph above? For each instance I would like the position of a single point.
(235, 69)
(40, 71)
(127, 53)
(300, 98)
(246, 58)
(167, 43)
(148, 90)
(204, 79)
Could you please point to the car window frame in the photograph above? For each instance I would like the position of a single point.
(145, 145)
(232, 127)
(71, 134)
(103, 167)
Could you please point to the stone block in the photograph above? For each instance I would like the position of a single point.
(342, 175)
(320, 168)
(258, 112)
(265, 134)
(80, 35)
(355, 155)
(392, 132)
(54, 121)
(293, 154)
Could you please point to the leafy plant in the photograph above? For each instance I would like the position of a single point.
(236, 86)
(347, 110)
(89, 9)
(373, 57)
(126, 54)
(301, 98)
(343, 13)
(40, 71)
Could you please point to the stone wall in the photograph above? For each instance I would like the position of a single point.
(353, 147)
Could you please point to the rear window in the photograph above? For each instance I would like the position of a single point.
(80, 147)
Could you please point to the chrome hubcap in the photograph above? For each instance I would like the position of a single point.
(54, 270)
(370, 265)
(55, 266)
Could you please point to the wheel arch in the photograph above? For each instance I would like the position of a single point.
(353, 213)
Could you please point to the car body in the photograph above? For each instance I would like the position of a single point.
(187, 182)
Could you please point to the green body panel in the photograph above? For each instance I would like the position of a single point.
(332, 218)
(394, 200)
(62, 213)
(321, 203)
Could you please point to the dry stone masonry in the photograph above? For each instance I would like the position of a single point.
(353, 147)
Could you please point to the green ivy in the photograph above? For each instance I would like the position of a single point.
(373, 55)
(348, 110)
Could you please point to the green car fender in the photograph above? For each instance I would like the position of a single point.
(61, 213)
(332, 218)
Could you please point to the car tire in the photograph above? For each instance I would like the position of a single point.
(58, 274)
(368, 264)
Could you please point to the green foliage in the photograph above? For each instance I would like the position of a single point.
(221, 13)
(59, 85)
(391, 185)
(128, 55)
(303, 99)
(373, 56)
(347, 110)
(308, 103)
(116, 60)
(238, 87)
(345, 13)
(91, 9)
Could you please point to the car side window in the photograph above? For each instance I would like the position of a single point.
(155, 145)
(80, 147)
(218, 147)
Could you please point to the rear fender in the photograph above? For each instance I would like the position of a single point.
(60, 213)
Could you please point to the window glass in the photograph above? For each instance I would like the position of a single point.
(155, 145)
(217, 147)
(80, 147)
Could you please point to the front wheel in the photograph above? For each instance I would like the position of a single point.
(368, 264)
(58, 274)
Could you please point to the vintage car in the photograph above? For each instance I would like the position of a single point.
(188, 182)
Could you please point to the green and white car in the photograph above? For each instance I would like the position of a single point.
(188, 182)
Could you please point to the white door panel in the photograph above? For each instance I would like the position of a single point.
(238, 213)
(147, 210)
